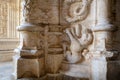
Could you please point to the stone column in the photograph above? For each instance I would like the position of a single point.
(30, 58)
(103, 27)
(40, 50)
(9, 19)
(102, 42)
(103, 12)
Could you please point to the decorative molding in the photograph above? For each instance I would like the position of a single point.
(3, 19)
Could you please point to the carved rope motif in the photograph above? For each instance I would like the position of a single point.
(77, 10)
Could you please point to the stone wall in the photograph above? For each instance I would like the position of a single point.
(114, 63)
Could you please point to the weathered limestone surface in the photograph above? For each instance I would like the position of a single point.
(9, 19)
(41, 11)
(6, 69)
(65, 37)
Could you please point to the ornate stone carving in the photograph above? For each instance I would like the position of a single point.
(76, 10)
(40, 43)
(95, 46)
(80, 38)
(48, 43)
(33, 12)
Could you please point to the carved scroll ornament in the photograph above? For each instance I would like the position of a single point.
(76, 10)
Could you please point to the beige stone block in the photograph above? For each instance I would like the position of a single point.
(48, 13)
(54, 40)
(55, 28)
(28, 40)
(32, 40)
(54, 36)
(30, 68)
(53, 63)
(6, 56)
(62, 11)
(8, 44)
(80, 70)
(41, 61)
(103, 40)
(31, 53)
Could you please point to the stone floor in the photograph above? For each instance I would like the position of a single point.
(6, 69)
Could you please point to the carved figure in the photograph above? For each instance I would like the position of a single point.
(80, 38)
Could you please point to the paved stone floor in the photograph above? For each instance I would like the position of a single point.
(6, 70)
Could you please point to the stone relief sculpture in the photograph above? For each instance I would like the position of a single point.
(77, 10)
(78, 43)
(80, 36)
(43, 13)
(83, 50)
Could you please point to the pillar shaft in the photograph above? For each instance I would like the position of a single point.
(103, 11)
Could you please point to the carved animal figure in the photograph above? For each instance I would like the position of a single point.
(78, 43)
(80, 37)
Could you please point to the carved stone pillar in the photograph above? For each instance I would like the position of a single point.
(30, 58)
(76, 47)
(103, 33)
(40, 49)
(103, 12)
(103, 27)
(86, 56)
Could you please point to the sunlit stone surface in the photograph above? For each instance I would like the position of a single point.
(67, 40)
(6, 70)
(70, 37)
(9, 19)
